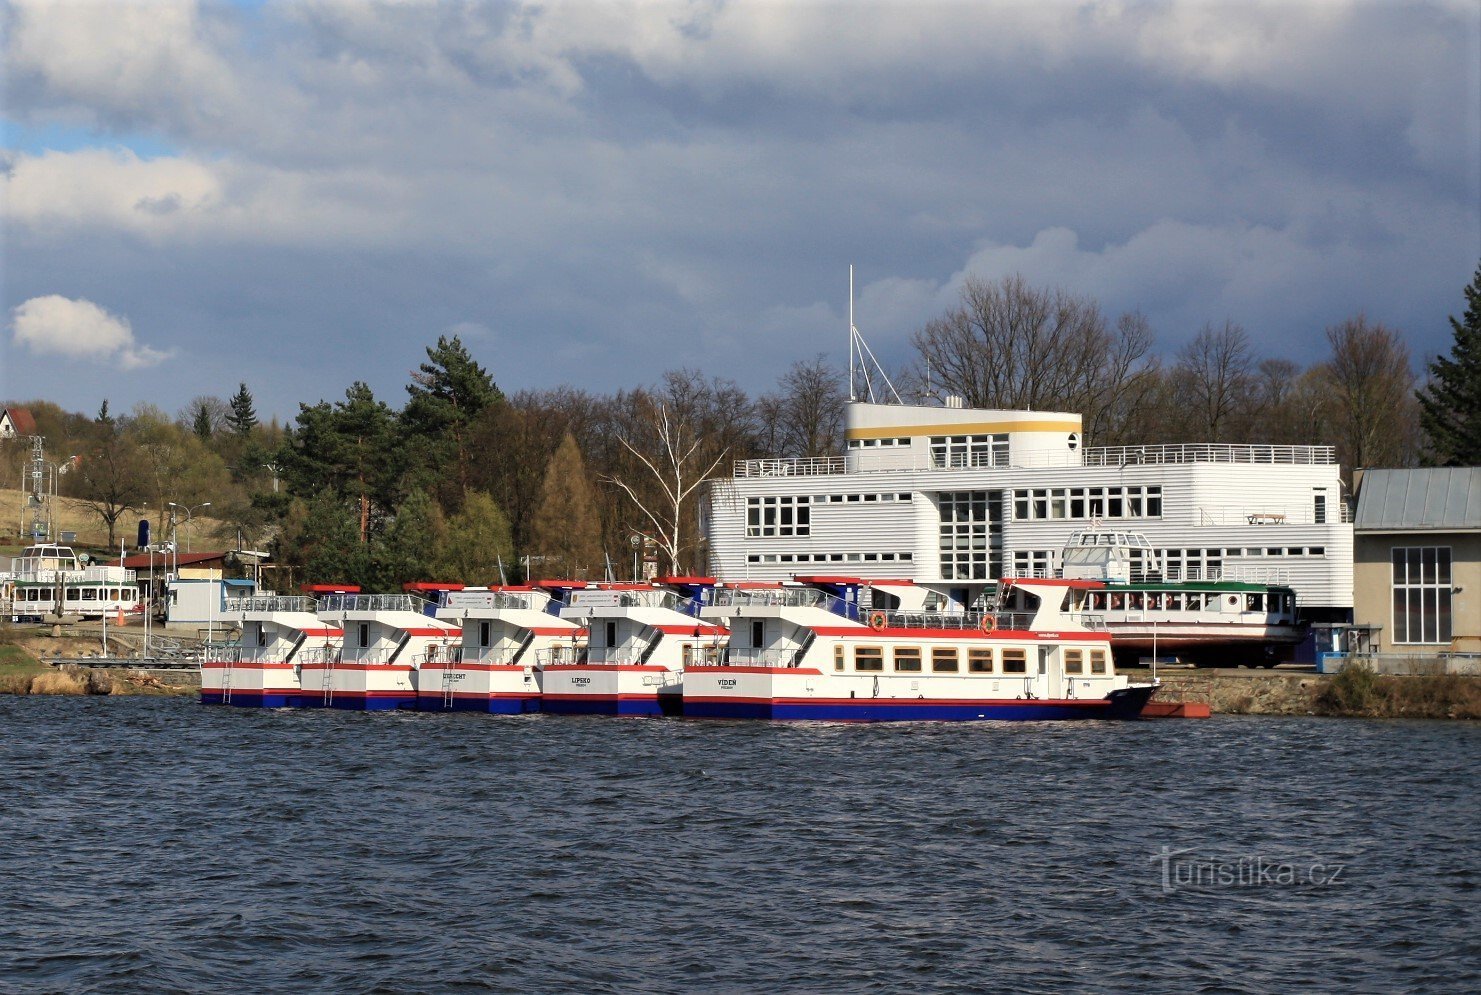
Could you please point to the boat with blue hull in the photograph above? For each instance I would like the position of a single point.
(641, 640)
(508, 634)
(279, 634)
(387, 639)
(824, 649)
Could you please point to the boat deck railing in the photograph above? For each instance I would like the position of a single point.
(272, 603)
(560, 655)
(747, 656)
(335, 603)
(784, 597)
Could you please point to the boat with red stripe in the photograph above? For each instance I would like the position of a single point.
(279, 634)
(507, 634)
(641, 640)
(842, 649)
(387, 640)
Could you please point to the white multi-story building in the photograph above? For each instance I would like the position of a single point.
(955, 497)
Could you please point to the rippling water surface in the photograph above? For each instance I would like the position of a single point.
(157, 845)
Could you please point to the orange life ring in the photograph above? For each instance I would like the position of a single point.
(989, 622)
(877, 621)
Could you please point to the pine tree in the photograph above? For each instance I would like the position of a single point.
(243, 417)
(566, 534)
(104, 418)
(202, 424)
(1450, 405)
(446, 394)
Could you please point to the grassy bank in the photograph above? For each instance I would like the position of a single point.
(1357, 691)
(22, 673)
(1354, 693)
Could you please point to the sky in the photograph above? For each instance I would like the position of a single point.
(300, 195)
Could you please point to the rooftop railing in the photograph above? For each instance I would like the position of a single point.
(1209, 453)
(1112, 456)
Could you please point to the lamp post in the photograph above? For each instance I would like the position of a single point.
(189, 510)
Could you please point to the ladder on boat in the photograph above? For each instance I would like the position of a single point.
(447, 686)
(328, 686)
(226, 683)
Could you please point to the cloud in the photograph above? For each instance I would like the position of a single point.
(80, 329)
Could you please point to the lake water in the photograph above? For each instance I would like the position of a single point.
(156, 845)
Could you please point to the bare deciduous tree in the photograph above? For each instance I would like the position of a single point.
(1213, 376)
(1371, 386)
(1009, 345)
(673, 466)
(805, 416)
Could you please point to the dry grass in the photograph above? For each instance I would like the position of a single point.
(73, 515)
(57, 682)
(1359, 691)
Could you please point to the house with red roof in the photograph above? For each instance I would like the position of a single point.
(16, 421)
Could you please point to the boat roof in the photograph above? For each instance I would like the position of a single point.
(1221, 586)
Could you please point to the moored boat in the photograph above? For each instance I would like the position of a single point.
(820, 649)
(279, 634)
(507, 633)
(641, 639)
(1206, 617)
(387, 639)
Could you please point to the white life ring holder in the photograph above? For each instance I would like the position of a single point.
(877, 621)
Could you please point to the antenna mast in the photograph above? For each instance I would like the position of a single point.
(863, 368)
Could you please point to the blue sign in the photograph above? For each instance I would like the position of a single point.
(143, 533)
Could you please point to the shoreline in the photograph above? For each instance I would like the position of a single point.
(1353, 693)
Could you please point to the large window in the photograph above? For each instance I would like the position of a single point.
(1048, 503)
(971, 534)
(1421, 578)
(969, 450)
(778, 516)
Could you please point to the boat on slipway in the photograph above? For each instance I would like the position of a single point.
(1208, 616)
(53, 579)
(387, 639)
(508, 634)
(641, 640)
(841, 649)
(279, 635)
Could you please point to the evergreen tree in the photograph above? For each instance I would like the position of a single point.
(447, 393)
(475, 542)
(331, 546)
(202, 422)
(243, 416)
(104, 418)
(1450, 405)
(408, 549)
(350, 448)
(566, 533)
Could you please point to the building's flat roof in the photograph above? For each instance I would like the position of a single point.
(1438, 498)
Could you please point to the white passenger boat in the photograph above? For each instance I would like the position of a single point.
(279, 635)
(1205, 616)
(387, 639)
(53, 579)
(818, 648)
(507, 634)
(641, 639)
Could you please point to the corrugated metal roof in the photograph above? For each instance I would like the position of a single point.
(1438, 498)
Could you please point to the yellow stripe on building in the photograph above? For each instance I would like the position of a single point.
(966, 428)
